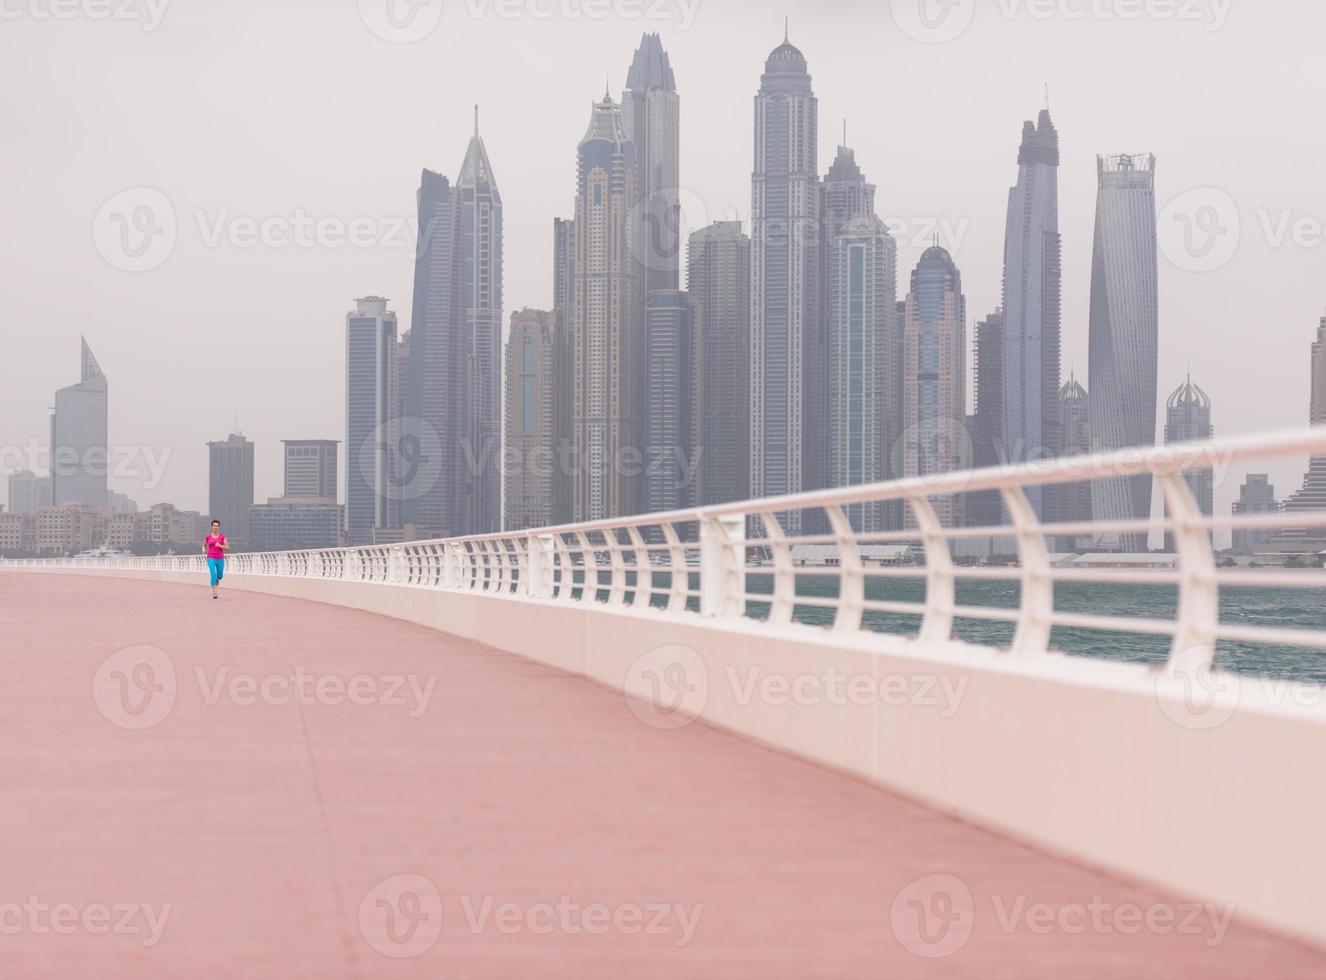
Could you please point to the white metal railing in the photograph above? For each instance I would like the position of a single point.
(701, 562)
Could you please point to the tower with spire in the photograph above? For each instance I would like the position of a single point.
(1033, 274)
(1188, 419)
(605, 334)
(480, 251)
(651, 117)
(787, 335)
(453, 424)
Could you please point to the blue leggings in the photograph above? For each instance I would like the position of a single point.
(217, 566)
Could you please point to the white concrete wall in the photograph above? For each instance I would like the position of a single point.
(1095, 760)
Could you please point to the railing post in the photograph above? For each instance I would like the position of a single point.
(722, 566)
(940, 590)
(1037, 610)
(851, 572)
(538, 565)
(1199, 591)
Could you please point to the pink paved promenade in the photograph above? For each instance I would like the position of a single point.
(242, 788)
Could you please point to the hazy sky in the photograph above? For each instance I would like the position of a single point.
(263, 111)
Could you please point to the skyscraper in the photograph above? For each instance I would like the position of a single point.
(1312, 495)
(531, 425)
(934, 379)
(1256, 496)
(651, 116)
(1032, 287)
(718, 280)
(564, 267)
(1124, 335)
(1070, 503)
(372, 432)
(786, 318)
(80, 453)
(1188, 419)
(864, 365)
(230, 486)
(672, 401)
(453, 427)
(605, 333)
(310, 469)
(844, 196)
(479, 248)
(431, 433)
(986, 423)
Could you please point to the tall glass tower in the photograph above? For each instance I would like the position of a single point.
(718, 279)
(451, 440)
(1124, 336)
(480, 254)
(1032, 286)
(372, 437)
(651, 116)
(786, 319)
(935, 379)
(604, 336)
(862, 360)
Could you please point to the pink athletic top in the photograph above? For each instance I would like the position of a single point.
(214, 542)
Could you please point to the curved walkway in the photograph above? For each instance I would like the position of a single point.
(261, 787)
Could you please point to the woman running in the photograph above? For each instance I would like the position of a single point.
(215, 547)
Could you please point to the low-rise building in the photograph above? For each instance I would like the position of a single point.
(283, 524)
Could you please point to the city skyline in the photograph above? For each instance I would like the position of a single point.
(865, 131)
